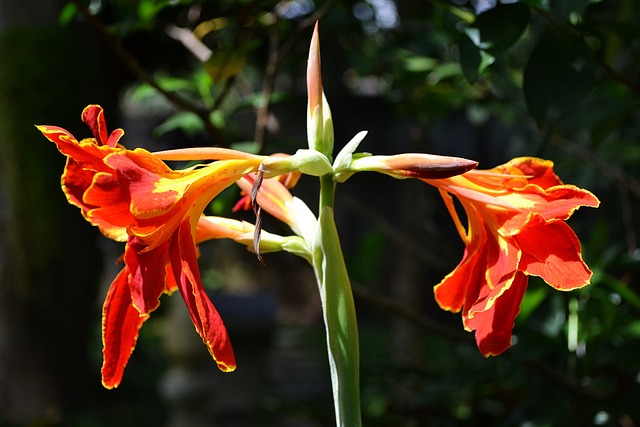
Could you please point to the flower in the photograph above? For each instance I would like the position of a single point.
(133, 196)
(516, 228)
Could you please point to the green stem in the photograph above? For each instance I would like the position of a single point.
(327, 191)
(338, 311)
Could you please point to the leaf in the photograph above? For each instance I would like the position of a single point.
(532, 300)
(493, 32)
(247, 146)
(559, 74)
(502, 26)
(186, 121)
(472, 59)
(224, 64)
(469, 58)
(420, 64)
(68, 12)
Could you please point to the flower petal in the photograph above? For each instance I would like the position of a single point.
(451, 292)
(120, 325)
(272, 196)
(555, 257)
(203, 314)
(538, 171)
(93, 116)
(148, 272)
(494, 326)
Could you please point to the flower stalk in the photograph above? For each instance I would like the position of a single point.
(338, 308)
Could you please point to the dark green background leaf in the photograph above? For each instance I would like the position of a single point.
(502, 26)
(559, 74)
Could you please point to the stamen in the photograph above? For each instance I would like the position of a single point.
(448, 201)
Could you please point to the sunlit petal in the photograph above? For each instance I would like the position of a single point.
(120, 325)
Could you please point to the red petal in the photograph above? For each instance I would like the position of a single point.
(86, 153)
(148, 274)
(140, 171)
(115, 137)
(539, 171)
(503, 255)
(203, 314)
(120, 325)
(451, 292)
(552, 251)
(75, 181)
(93, 116)
(110, 200)
(494, 326)
(468, 276)
(562, 201)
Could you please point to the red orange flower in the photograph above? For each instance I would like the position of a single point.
(516, 228)
(133, 196)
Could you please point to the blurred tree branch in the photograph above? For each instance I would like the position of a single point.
(275, 56)
(118, 49)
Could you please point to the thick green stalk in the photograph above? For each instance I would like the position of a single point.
(339, 312)
(327, 191)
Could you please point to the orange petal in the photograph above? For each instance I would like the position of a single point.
(85, 152)
(538, 171)
(451, 292)
(147, 274)
(503, 255)
(555, 256)
(93, 116)
(139, 171)
(120, 325)
(203, 314)
(494, 326)
(464, 282)
(273, 196)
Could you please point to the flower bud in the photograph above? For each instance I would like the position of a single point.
(319, 122)
(413, 165)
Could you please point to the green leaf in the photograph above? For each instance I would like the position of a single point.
(559, 74)
(469, 58)
(67, 14)
(225, 63)
(420, 64)
(188, 122)
(531, 301)
(247, 146)
(632, 330)
(502, 26)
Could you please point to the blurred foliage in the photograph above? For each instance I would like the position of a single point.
(556, 79)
